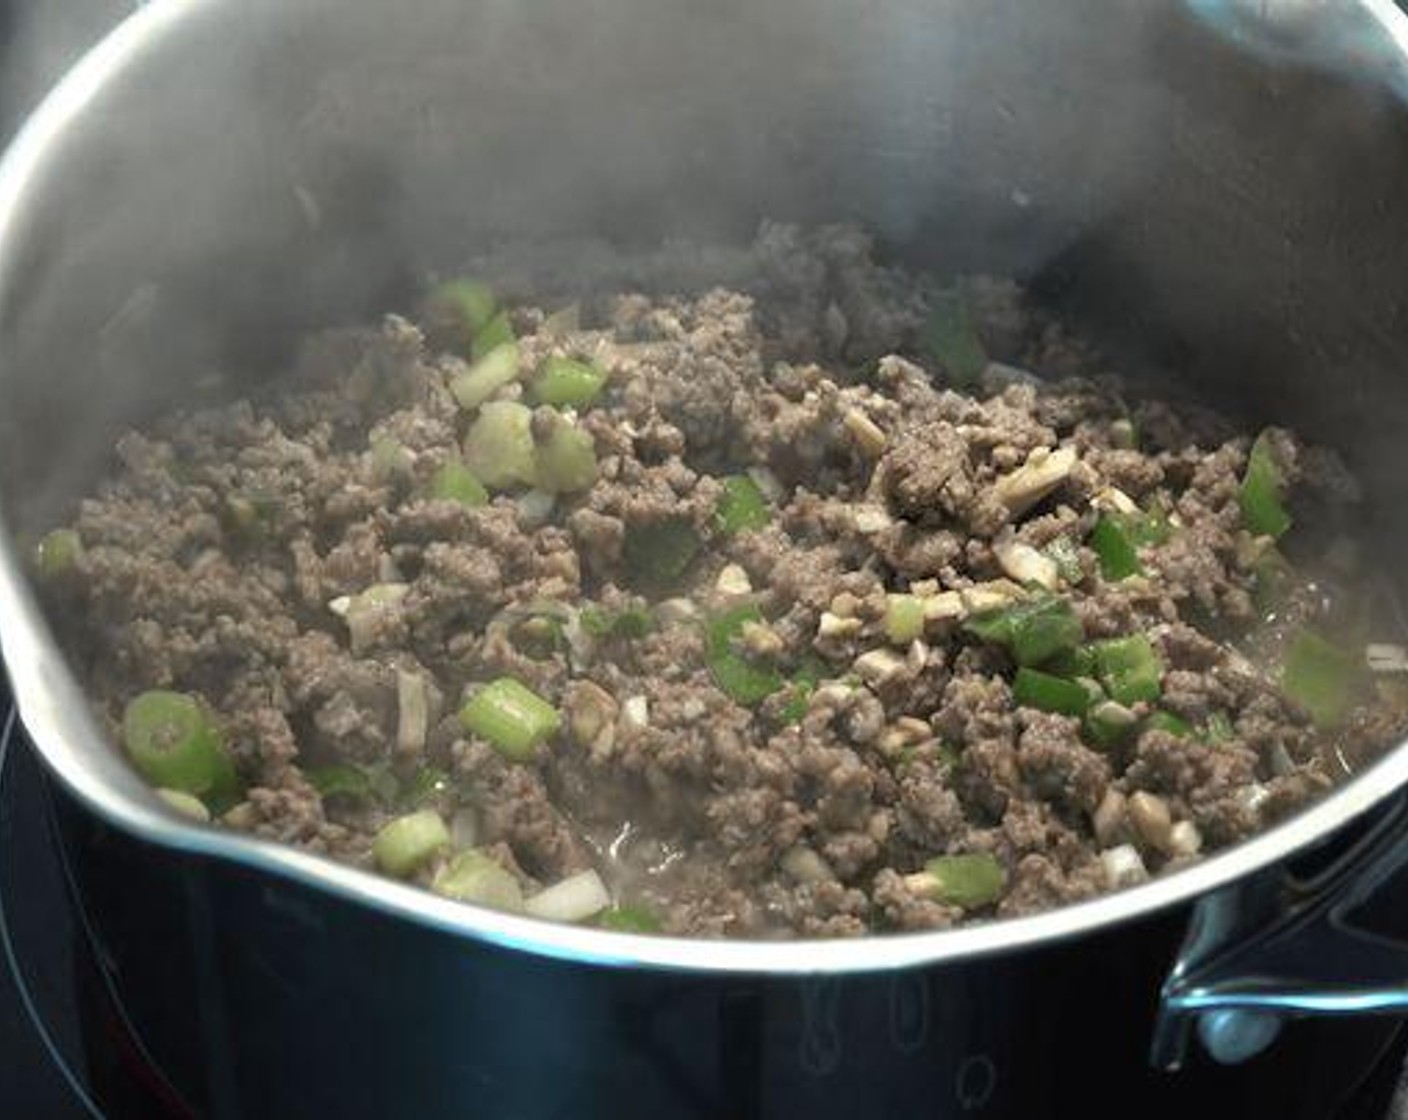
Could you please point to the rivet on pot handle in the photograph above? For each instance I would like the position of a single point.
(1279, 947)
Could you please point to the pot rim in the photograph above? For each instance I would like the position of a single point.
(55, 714)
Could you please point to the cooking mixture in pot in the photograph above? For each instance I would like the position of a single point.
(783, 613)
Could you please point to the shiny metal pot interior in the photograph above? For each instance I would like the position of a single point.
(218, 177)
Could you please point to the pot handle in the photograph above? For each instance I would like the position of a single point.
(1284, 945)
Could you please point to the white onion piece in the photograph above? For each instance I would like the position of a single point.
(1123, 866)
(1026, 565)
(574, 899)
(413, 715)
(464, 829)
(635, 711)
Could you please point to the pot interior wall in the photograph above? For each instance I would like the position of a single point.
(264, 167)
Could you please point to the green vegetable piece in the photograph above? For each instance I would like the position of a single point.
(1320, 677)
(742, 506)
(175, 744)
(408, 843)
(1044, 628)
(1035, 630)
(1129, 668)
(950, 338)
(513, 718)
(473, 876)
(454, 482)
(566, 460)
(457, 309)
(657, 553)
(490, 372)
(57, 554)
(1066, 555)
(992, 626)
(1219, 728)
(1170, 723)
(904, 619)
(628, 919)
(1108, 722)
(742, 680)
(426, 786)
(568, 383)
(498, 450)
(1263, 512)
(1034, 689)
(969, 881)
(497, 332)
(631, 622)
(1115, 548)
(341, 780)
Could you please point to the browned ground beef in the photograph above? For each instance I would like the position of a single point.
(723, 818)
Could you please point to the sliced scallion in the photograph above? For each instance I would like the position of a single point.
(971, 881)
(1115, 548)
(741, 679)
(58, 554)
(497, 332)
(498, 449)
(408, 843)
(473, 876)
(339, 779)
(1129, 668)
(175, 743)
(1034, 689)
(513, 718)
(1168, 723)
(490, 372)
(628, 919)
(454, 482)
(1263, 511)
(568, 383)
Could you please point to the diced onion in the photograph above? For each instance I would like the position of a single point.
(574, 899)
(635, 711)
(1123, 866)
(413, 716)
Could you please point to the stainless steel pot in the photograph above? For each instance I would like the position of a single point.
(217, 177)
